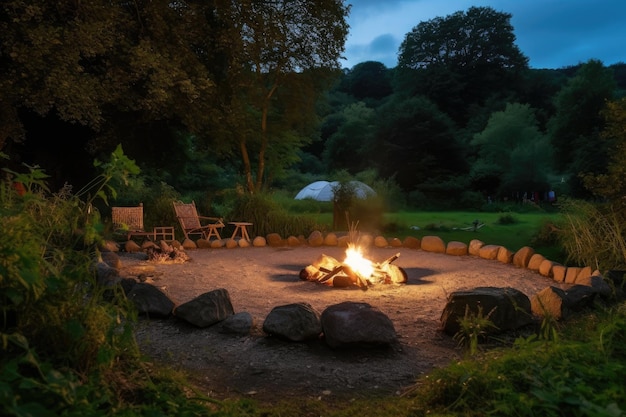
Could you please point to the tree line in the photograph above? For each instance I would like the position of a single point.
(215, 95)
(462, 114)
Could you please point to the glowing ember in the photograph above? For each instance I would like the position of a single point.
(358, 263)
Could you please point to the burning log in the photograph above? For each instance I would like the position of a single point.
(330, 274)
(389, 260)
(359, 272)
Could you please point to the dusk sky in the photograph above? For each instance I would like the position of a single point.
(551, 33)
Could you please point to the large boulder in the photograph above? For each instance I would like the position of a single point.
(294, 322)
(474, 247)
(237, 324)
(381, 242)
(489, 251)
(112, 259)
(331, 239)
(206, 309)
(507, 308)
(352, 324)
(150, 300)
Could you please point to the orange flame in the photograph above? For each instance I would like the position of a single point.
(358, 263)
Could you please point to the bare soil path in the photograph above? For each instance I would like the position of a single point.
(267, 369)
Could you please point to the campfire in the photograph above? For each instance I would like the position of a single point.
(354, 270)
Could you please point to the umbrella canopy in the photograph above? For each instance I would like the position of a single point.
(325, 190)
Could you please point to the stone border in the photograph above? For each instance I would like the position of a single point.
(525, 257)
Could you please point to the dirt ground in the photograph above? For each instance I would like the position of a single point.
(267, 369)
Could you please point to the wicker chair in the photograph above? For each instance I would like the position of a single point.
(192, 224)
(128, 221)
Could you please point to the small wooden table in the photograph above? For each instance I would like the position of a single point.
(240, 227)
(165, 232)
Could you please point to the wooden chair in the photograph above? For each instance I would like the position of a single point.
(128, 221)
(192, 223)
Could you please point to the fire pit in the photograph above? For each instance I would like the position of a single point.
(354, 270)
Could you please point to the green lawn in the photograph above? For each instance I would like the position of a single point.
(519, 231)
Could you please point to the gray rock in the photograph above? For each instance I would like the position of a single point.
(507, 308)
(351, 324)
(206, 309)
(295, 322)
(580, 297)
(240, 324)
(150, 301)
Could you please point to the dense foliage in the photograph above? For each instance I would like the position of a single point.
(204, 106)
(220, 101)
(240, 79)
(66, 338)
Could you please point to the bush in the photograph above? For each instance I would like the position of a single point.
(57, 324)
(547, 235)
(65, 347)
(268, 216)
(507, 218)
(471, 200)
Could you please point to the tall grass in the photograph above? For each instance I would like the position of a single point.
(594, 234)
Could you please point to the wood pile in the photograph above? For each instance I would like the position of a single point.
(329, 271)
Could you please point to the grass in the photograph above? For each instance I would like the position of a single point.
(511, 230)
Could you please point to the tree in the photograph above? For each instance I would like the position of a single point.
(92, 64)
(284, 46)
(367, 80)
(576, 125)
(416, 143)
(611, 185)
(350, 147)
(513, 154)
(460, 59)
(215, 70)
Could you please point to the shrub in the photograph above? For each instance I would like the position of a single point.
(471, 200)
(507, 218)
(547, 235)
(269, 217)
(57, 324)
(65, 347)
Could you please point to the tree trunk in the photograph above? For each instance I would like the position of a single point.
(264, 138)
(247, 168)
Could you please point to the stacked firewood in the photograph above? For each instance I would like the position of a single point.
(329, 271)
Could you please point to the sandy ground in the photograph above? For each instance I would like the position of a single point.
(267, 369)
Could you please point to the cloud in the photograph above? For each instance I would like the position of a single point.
(384, 48)
(551, 33)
